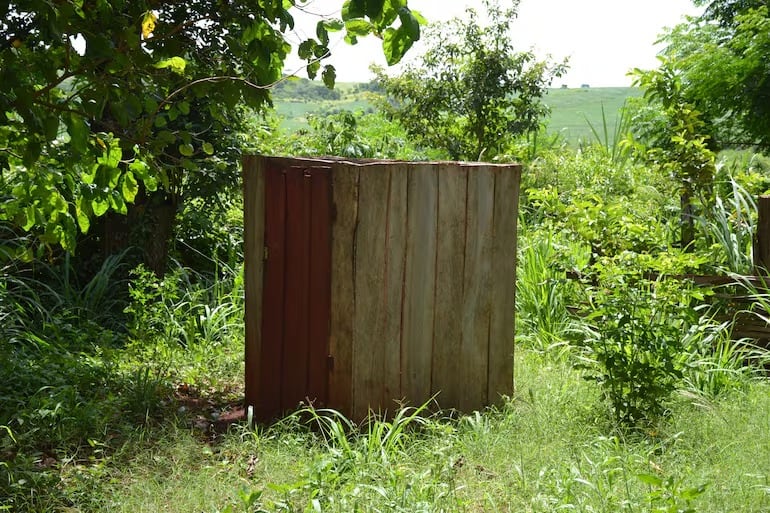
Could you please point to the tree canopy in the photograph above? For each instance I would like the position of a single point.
(721, 61)
(471, 92)
(104, 100)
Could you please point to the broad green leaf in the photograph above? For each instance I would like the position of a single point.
(329, 76)
(139, 168)
(186, 149)
(130, 186)
(208, 148)
(117, 203)
(30, 216)
(650, 479)
(395, 43)
(82, 207)
(359, 27)
(175, 64)
(353, 9)
(410, 23)
(305, 49)
(312, 69)
(184, 108)
(51, 127)
(99, 206)
(150, 183)
(78, 132)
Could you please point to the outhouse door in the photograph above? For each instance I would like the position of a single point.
(294, 364)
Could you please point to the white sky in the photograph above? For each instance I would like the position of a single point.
(603, 39)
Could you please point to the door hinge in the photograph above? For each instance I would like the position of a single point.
(330, 362)
(265, 253)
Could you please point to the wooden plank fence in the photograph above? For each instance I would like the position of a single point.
(372, 284)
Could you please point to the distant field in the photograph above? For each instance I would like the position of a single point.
(571, 109)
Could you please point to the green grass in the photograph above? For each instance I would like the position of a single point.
(548, 449)
(573, 109)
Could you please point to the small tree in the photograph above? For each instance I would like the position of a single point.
(471, 93)
(675, 140)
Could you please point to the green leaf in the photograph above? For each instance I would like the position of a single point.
(82, 209)
(78, 131)
(312, 69)
(208, 148)
(130, 187)
(30, 216)
(359, 27)
(305, 49)
(117, 203)
(176, 64)
(409, 23)
(329, 76)
(650, 479)
(186, 150)
(395, 43)
(353, 9)
(150, 183)
(184, 108)
(51, 127)
(99, 206)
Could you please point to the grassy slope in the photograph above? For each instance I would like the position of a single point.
(549, 449)
(573, 109)
(570, 109)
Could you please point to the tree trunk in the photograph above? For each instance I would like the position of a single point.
(148, 225)
(687, 220)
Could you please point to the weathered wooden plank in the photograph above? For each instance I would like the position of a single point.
(319, 287)
(369, 325)
(395, 254)
(268, 403)
(476, 307)
(296, 304)
(419, 283)
(503, 287)
(450, 262)
(343, 307)
(253, 243)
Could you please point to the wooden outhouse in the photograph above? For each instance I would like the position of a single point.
(372, 284)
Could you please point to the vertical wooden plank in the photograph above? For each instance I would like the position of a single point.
(450, 263)
(476, 308)
(378, 288)
(419, 283)
(369, 277)
(343, 306)
(268, 404)
(320, 285)
(253, 243)
(503, 287)
(762, 238)
(392, 309)
(295, 354)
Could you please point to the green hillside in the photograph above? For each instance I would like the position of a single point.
(571, 109)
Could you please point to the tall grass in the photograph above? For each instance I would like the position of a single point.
(730, 225)
(543, 318)
(612, 140)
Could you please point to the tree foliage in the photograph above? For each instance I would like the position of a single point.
(104, 101)
(675, 139)
(721, 61)
(471, 93)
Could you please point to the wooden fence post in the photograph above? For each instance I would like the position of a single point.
(762, 237)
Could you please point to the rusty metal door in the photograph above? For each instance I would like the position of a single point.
(294, 364)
